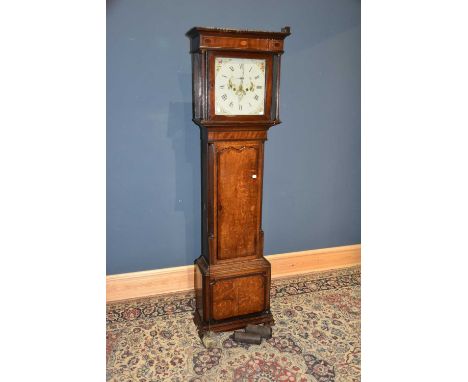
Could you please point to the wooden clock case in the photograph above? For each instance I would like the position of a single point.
(232, 278)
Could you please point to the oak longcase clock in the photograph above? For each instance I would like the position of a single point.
(236, 75)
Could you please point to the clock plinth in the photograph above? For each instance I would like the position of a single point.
(235, 101)
(232, 296)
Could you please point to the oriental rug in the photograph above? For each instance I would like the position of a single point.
(316, 337)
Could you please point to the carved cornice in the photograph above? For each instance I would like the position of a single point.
(285, 32)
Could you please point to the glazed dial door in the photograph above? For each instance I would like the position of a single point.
(239, 86)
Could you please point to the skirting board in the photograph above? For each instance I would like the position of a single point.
(169, 280)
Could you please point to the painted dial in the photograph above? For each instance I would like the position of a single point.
(239, 86)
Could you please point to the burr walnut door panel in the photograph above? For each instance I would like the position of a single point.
(238, 296)
(238, 199)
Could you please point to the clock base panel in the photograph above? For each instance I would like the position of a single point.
(231, 295)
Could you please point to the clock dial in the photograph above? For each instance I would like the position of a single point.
(239, 86)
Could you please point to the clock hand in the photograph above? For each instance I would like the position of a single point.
(241, 88)
(240, 92)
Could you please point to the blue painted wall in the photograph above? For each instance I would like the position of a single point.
(312, 160)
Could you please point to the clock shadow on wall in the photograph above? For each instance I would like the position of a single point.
(185, 137)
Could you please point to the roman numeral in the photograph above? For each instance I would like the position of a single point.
(257, 77)
(250, 69)
(241, 66)
(231, 104)
(240, 107)
(224, 97)
(223, 76)
(259, 87)
(221, 87)
(256, 97)
(232, 68)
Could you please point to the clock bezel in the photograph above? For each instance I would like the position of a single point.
(266, 116)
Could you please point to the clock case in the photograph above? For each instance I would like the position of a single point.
(232, 278)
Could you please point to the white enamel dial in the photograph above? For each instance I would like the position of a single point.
(239, 86)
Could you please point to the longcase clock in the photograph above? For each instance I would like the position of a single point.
(236, 76)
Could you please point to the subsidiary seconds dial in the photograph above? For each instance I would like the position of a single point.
(239, 86)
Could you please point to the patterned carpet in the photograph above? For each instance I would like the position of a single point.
(316, 337)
